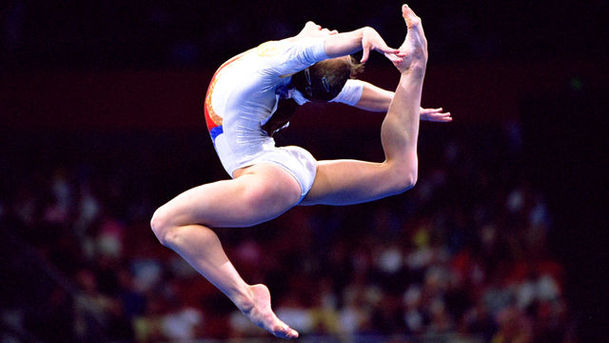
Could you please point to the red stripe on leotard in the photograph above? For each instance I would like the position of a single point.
(212, 119)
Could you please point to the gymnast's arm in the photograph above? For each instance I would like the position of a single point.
(376, 99)
(373, 98)
(347, 43)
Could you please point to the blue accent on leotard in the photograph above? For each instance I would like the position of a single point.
(214, 132)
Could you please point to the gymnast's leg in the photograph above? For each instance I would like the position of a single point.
(256, 194)
(343, 182)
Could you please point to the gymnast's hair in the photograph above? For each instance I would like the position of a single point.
(324, 80)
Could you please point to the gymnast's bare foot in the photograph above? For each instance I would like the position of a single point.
(414, 47)
(262, 315)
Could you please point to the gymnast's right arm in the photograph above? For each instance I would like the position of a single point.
(365, 39)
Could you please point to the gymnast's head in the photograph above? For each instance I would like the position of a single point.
(324, 80)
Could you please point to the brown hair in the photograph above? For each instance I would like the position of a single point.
(320, 82)
(324, 80)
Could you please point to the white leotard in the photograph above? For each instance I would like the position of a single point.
(242, 97)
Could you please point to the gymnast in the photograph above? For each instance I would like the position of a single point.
(266, 181)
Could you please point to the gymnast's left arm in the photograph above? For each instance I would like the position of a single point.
(376, 99)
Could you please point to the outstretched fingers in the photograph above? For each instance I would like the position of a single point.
(381, 48)
(435, 115)
(394, 58)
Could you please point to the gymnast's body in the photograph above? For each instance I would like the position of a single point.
(240, 111)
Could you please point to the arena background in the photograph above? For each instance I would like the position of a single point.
(503, 239)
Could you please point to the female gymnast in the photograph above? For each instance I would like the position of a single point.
(268, 180)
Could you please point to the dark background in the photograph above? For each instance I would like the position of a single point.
(97, 68)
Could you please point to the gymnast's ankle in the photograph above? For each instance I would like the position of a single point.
(244, 300)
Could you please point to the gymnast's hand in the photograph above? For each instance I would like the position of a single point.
(436, 115)
(371, 40)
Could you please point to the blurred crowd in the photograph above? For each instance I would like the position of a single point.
(465, 252)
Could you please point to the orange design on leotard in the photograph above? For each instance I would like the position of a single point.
(212, 119)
